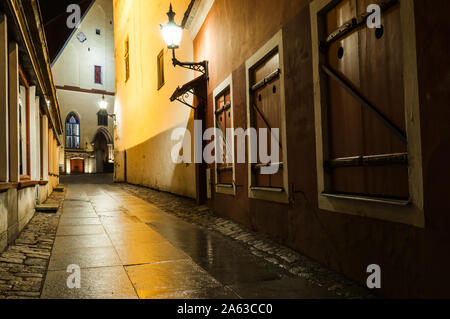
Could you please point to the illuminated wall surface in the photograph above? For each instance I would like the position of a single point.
(146, 117)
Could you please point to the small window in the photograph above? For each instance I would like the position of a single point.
(366, 156)
(102, 118)
(98, 75)
(363, 146)
(223, 122)
(265, 113)
(127, 59)
(98, 32)
(160, 64)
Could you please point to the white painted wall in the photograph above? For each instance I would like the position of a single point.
(75, 64)
(75, 67)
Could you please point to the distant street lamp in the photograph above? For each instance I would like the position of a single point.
(172, 34)
(103, 104)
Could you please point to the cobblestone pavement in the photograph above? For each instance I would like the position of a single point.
(259, 245)
(23, 265)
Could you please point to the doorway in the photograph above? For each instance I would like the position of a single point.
(77, 166)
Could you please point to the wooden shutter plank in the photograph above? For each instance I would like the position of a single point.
(381, 64)
(345, 114)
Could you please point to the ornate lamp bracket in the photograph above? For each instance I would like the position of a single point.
(201, 67)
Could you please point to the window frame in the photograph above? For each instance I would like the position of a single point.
(160, 70)
(411, 212)
(79, 131)
(261, 193)
(127, 59)
(227, 189)
(95, 74)
(102, 115)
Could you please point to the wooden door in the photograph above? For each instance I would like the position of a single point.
(77, 166)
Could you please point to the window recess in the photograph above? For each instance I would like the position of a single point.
(225, 167)
(367, 143)
(223, 119)
(367, 110)
(265, 113)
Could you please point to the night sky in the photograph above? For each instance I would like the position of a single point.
(54, 15)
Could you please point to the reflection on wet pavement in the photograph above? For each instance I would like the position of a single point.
(128, 248)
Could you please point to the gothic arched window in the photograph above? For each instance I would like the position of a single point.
(72, 131)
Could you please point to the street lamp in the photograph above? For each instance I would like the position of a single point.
(103, 109)
(172, 34)
(103, 104)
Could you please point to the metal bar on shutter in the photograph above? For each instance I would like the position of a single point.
(224, 108)
(260, 166)
(352, 25)
(271, 77)
(224, 137)
(373, 160)
(266, 122)
(350, 89)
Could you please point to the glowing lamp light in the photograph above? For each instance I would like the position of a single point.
(171, 32)
(103, 104)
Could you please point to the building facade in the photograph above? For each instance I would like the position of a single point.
(84, 76)
(145, 116)
(30, 121)
(362, 119)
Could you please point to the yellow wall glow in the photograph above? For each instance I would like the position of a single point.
(145, 115)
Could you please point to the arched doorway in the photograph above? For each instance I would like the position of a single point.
(103, 149)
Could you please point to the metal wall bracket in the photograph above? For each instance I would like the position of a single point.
(201, 67)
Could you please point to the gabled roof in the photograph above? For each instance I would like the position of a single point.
(55, 17)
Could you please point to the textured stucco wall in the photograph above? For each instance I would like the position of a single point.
(3, 220)
(17, 207)
(26, 202)
(414, 261)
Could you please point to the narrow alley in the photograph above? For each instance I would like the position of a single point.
(224, 149)
(129, 248)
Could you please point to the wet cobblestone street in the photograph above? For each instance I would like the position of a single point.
(23, 265)
(133, 242)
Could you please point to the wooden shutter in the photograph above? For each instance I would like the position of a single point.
(223, 117)
(372, 61)
(266, 113)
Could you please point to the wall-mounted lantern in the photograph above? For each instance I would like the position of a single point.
(103, 104)
(172, 34)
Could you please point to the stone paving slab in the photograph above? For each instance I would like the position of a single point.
(164, 246)
(260, 246)
(96, 283)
